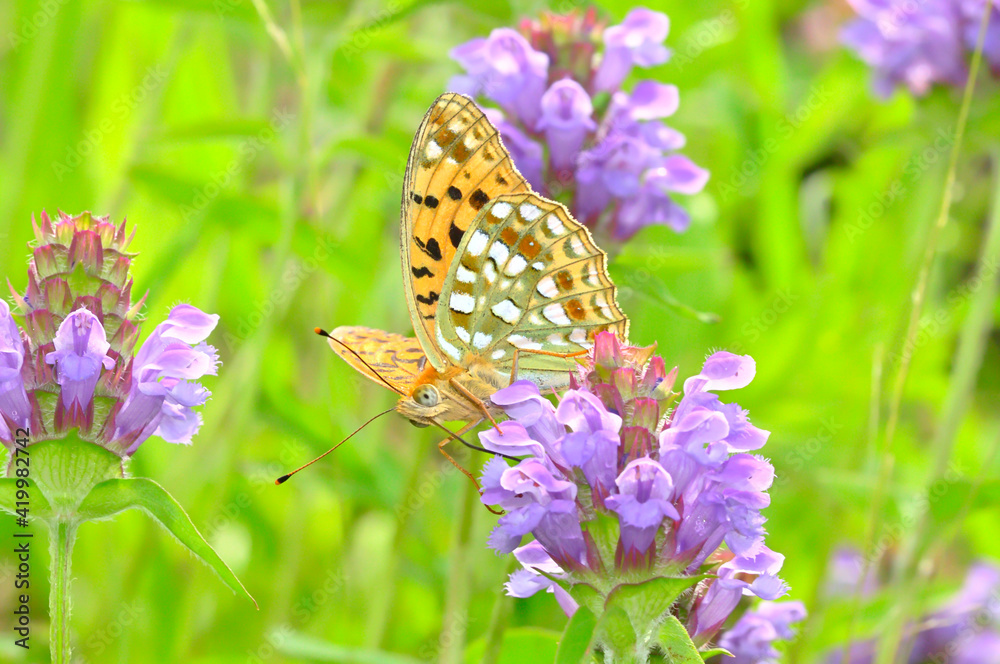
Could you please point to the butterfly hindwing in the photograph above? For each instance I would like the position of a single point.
(456, 166)
(526, 275)
(384, 357)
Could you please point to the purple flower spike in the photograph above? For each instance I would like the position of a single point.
(507, 69)
(619, 169)
(74, 365)
(606, 505)
(81, 350)
(637, 41)
(566, 111)
(920, 44)
(15, 410)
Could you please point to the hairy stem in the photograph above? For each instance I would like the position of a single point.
(61, 537)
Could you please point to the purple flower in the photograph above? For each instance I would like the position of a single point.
(611, 491)
(15, 410)
(81, 349)
(507, 69)
(566, 121)
(724, 592)
(528, 155)
(637, 41)
(642, 503)
(920, 44)
(620, 170)
(73, 367)
(527, 582)
(164, 391)
(752, 638)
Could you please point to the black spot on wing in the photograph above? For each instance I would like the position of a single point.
(431, 298)
(454, 193)
(478, 199)
(431, 202)
(431, 248)
(455, 234)
(421, 272)
(417, 198)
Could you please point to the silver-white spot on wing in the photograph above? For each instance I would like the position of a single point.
(547, 287)
(477, 243)
(465, 275)
(515, 265)
(463, 303)
(501, 210)
(448, 347)
(507, 311)
(530, 212)
(481, 340)
(556, 313)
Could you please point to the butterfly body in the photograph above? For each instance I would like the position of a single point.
(500, 282)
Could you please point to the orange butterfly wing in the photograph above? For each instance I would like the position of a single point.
(384, 357)
(456, 166)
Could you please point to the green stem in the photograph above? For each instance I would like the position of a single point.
(456, 610)
(968, 361)
(61, 538)
(887, 460)
(498, 620)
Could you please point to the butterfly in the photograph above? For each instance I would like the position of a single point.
(501, 283)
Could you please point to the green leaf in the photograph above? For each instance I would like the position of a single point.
(676, 643)
(38, 507)
(707, 654)
(117, 495)
(646, 602)
(578, 639)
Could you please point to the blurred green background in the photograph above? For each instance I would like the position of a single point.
(260, 154)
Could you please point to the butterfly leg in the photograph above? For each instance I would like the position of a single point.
(476, 401)
(463, 430)
(513, 369)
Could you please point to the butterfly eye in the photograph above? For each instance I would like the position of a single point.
(426, 395)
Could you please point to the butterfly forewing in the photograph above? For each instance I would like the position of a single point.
(457, 165)
(388, 359)
(528, 276)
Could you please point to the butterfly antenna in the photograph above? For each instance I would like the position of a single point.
(284, 478)
(455, 436)
(323, 333)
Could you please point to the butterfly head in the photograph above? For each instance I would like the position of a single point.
(424, 405)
